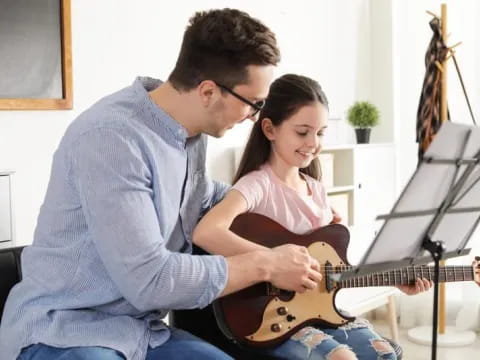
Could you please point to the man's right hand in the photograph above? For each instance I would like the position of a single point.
(288, 267)
(292, 268)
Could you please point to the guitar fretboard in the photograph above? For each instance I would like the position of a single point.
(404, 276)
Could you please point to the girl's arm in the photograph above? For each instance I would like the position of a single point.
(287, 267)
(212, 232)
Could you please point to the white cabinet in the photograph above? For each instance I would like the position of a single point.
(364, 186)
(374, 194)
(6, 217)
(364, 182)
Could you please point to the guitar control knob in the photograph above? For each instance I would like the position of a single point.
(282, 310)
(276, 327)
(291, 317)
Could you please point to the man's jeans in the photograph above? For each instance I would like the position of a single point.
(181, 345)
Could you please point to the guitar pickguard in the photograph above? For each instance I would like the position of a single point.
(311, 306)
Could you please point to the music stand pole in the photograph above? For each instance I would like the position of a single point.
(436, 249)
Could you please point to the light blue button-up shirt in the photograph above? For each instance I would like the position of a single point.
(110, 254)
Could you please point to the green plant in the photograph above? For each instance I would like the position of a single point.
(363, 114)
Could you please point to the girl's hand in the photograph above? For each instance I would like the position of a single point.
(476, 270)
(420, 285)
(336, 217)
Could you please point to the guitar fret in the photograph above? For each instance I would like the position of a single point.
(404, 276)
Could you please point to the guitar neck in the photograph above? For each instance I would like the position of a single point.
(408, 276)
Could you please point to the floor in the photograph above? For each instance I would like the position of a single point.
(414, 351)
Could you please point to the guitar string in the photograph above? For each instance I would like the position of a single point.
(455, 273)
(466, 272)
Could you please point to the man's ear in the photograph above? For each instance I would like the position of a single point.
(207, 91)
(268, 128)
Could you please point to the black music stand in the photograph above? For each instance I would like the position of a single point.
(435, 215)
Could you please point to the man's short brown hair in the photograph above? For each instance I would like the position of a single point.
(218, 45)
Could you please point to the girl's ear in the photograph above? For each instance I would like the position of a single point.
(268, 129)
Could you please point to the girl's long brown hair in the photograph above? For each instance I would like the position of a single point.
(287, 95)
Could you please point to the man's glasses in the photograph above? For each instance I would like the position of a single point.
(257, 106)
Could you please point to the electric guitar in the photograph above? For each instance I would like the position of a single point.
(263, 315)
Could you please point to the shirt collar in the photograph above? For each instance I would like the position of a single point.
(144, 84)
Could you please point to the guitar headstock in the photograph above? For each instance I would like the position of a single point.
(476, 270)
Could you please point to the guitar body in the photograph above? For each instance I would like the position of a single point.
(259, 316)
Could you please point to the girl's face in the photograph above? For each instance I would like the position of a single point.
(298, 139)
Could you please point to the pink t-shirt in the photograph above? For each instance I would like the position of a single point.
(267, 195)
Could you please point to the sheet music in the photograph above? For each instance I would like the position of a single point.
(401, 238)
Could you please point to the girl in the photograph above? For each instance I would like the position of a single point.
(279, 177)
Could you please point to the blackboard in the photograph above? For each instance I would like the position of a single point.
(35, 54)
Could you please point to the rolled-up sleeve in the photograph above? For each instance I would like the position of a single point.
(216, 191)
(113, 180)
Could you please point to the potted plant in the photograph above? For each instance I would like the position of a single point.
(363, 115)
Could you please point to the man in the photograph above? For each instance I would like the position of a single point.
(111, 251)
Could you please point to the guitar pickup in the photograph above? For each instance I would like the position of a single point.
(330, 284)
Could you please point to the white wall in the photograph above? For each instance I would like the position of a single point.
(411, 35)
(115, 40)
(356, 49)
(326, 40)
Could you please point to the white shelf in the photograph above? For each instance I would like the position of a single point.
(335, 147)
(337, 189)
(365, 174)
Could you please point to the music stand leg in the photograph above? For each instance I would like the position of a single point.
(452, 337)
